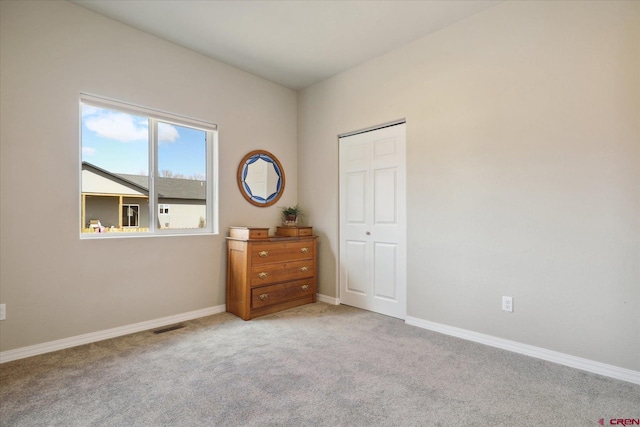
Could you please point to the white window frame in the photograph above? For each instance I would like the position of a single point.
(162, 207)
(211, 130)
(130, 205)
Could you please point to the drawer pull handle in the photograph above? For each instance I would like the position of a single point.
(263, 254)
(304, 287)
(264, 297)
(263, 275)
(304, 250)
(304, 269)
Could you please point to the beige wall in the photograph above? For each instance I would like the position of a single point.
(523, 146)
(55, 285)
(523, 171)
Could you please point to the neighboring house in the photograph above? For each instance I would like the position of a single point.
(120, 202)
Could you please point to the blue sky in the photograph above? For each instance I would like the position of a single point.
(118, 142)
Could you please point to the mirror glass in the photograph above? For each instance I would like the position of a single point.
(261, 178)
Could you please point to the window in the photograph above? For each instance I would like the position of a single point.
(134, 159)
(130, 215)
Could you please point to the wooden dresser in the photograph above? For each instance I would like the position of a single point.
(269, 274)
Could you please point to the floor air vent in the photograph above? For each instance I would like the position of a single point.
(167, 329)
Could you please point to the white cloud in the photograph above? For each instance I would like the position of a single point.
(88, 151)
(88, 110)
(167, 132)
(124, 127)
(116, 125)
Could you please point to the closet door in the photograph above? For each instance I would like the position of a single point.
(373, 220)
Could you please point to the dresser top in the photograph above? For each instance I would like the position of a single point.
(262, 233)
(273, 238)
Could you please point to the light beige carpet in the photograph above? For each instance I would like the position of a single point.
(316, 365)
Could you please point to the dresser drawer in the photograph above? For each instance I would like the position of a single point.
(264, 253)
(294, 231)
(275, 294)
(282, 271)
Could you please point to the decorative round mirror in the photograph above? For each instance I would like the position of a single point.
(261, 178)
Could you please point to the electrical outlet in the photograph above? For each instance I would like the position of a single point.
(3, 311)
(507, 304)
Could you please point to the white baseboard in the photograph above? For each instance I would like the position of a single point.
(529, 350)
(537, 352)
(34, 350)
(328, 299)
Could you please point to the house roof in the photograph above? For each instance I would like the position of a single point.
(171, 188)
(168, 188)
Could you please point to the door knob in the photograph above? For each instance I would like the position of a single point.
(368, 233)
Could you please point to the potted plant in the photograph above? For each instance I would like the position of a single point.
(290, 215)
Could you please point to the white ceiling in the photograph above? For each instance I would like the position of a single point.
(293, 43)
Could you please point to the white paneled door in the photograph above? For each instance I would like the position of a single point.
(373, 220)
